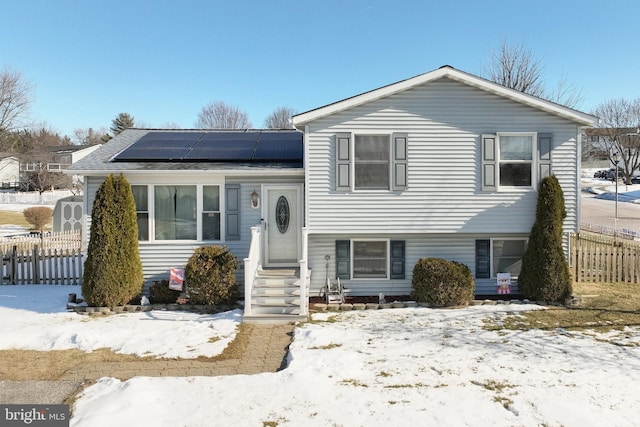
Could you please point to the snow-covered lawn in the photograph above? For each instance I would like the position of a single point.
(34, 317)
(395, 367)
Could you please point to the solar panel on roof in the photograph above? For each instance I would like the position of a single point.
(160, 146)
(216, 146)
(282, 146)
(224, 146)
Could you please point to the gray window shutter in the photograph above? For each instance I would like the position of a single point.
(399, 166)
(489, 162)
(343, 259)
(545, 145)
(343, 162)
(397, 259)
(232, 213)
(483, 259)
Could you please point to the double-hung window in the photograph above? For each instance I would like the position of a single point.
(515, 160)
(371, 162)
(512, 161)
(178, 212)
(500, 255)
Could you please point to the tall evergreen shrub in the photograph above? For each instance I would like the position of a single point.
(112, 270)
(545, 272)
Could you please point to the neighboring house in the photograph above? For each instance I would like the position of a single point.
(444, 164)
(9, 172)
(56, 158)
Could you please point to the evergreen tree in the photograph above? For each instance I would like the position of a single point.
(112, 270)
(121, 122)
(545, 272)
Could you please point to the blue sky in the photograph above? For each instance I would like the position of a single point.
(162, 61)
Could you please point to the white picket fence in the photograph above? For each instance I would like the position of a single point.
(60, 241)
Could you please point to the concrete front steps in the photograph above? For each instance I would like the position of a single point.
(275, 297)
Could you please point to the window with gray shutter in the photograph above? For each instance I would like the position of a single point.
(343, 259)
(544, 155)
(483, 259)
(343, 162)
(232, 213)
(399, 161)
(489, 158)
(397, 259)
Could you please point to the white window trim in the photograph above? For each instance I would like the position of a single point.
(388, 261)
(534, 162)
(199, 206)
(352, 154)
(493, 275)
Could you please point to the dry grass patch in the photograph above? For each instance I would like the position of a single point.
(22, 365)
(15, 218)
(605, 307)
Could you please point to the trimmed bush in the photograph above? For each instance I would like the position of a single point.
(210, 276)
(38, 216)
(545, 272)
(441, 282)
(159, 293)
(112, 270)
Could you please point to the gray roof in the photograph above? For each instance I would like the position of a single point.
(100, 161)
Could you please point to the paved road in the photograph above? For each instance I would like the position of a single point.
(602, 212)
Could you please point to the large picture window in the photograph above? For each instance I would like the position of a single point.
(178, 212)
(175, 212)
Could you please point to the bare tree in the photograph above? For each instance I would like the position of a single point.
(619, 129)
(218, 115)
(15, 100)
(515, 67)
(89, 136)
(280, 119)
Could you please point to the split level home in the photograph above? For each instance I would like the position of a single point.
(445, 164)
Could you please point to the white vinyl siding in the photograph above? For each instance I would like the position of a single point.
(460, 248)
(444, 164)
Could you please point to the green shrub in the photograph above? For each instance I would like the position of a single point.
(159, 293)
(441, 282)
(112, 269)
(544, 275)
(210, 276)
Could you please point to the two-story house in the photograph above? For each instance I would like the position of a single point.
(445, 164)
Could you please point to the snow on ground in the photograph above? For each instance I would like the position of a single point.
(605, 189)
(34, 317)
(412, 366)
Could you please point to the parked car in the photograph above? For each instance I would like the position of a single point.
(635, 179)
(611, 174)
(600, 174)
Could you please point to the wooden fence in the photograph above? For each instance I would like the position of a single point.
(596, 258)
(53, 258)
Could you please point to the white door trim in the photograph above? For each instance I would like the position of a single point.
(266, 207)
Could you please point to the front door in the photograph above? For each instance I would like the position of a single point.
(282, 227)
